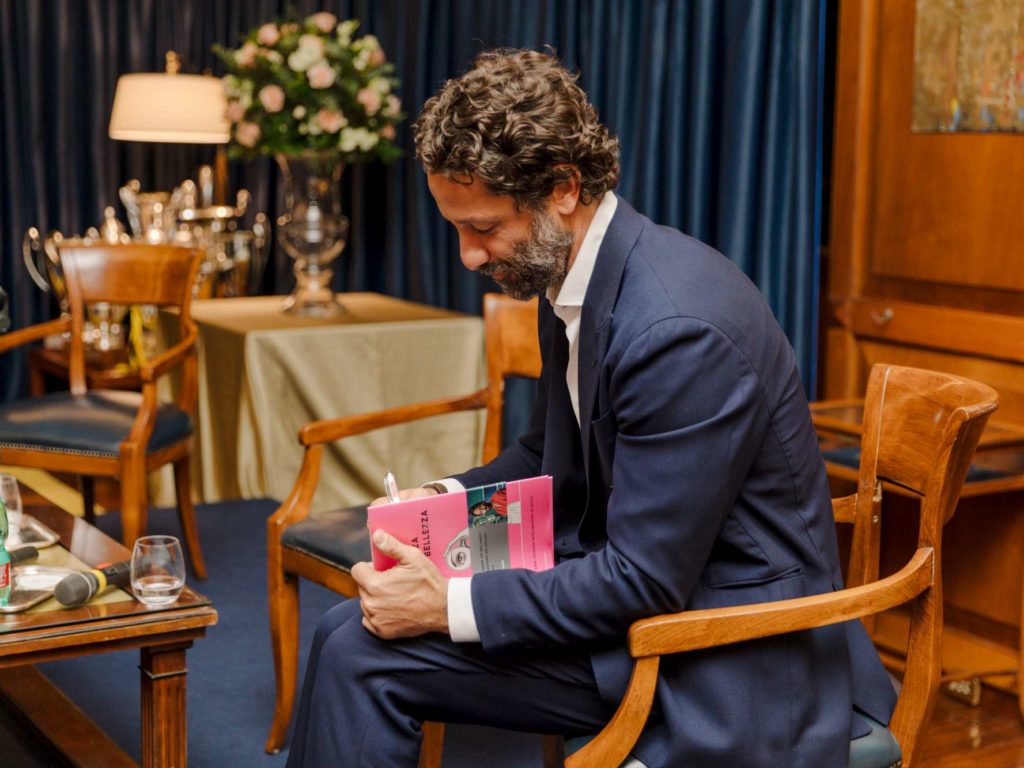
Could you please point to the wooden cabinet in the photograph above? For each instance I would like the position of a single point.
(925, 267)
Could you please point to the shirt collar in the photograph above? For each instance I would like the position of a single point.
(574, 288)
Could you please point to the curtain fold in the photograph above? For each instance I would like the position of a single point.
(716, 103)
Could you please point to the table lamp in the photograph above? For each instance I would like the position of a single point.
(174, 108)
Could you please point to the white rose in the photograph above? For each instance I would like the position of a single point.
(368, 140)
(369, 43)
(345, 30)
(380, 84)
(310, 51)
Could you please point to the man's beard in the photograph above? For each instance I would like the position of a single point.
(535, 264)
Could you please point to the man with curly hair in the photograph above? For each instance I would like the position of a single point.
(687, 475)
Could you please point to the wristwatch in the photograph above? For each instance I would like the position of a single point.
(438, 487)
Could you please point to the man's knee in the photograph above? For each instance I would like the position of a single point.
(340, 614)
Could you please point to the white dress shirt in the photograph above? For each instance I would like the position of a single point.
(568, 306)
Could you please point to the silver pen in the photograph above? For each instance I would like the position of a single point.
(390, 486)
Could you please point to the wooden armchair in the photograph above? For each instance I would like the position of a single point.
(920, 432)
(97, 432)
(324, 547)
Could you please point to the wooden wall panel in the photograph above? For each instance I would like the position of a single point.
(925, 267)
(947, 208)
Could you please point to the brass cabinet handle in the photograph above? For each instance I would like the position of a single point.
(884, 317)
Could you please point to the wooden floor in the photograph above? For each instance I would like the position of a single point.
(990, 735)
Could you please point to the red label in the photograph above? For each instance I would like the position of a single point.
(5, 575)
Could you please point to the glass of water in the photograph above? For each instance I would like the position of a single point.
(12, 501)
(157, 570)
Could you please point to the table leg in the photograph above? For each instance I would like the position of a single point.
(1020, 662)
(163, 671)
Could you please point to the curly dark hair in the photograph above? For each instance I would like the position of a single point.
(519, 121)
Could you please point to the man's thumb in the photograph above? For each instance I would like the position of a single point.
(388, 545)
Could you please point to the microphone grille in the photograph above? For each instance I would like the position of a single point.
(73, 589)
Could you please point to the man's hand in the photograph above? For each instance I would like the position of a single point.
(407, 600)
(406, 493)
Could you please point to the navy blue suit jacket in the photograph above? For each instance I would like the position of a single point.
(693, 480)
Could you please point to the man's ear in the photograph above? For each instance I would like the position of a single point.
(566, 194)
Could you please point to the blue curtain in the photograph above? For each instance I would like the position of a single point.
(716, 103)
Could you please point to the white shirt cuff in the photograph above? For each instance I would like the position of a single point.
(461, 620)
(450, 484)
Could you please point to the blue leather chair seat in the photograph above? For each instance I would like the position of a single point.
(876, 749)
(93, 424)
(339, 538)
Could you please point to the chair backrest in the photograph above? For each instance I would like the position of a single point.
(131, 273)
(920, 432)
(510, 337)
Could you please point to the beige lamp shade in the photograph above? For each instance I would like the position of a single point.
(185, 109)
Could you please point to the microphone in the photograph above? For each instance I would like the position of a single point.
(80, 587)
(23, 554)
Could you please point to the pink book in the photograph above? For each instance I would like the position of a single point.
(505, 525)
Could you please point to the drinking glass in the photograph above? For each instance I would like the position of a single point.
(157, 570)
(12, 501)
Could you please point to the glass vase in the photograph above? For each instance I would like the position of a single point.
(312, 230)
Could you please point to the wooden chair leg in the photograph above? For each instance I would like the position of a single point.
(187, 515)
(284, 641)
(87, 487)
(554, 751)
(134, 509)
(432, 745)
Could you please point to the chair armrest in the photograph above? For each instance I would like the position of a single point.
(33, 333)
(844, 508)
(161, 364)
(649, 639)
(314, 434)
(693, 630)
(328, 430)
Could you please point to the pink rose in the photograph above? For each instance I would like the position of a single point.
(235, 111)
(268, 34)
(388, 132)
(321, 75)
(324, 21)
(272, 98)
(330, 120)
(247, 134)
(394, 105)
(377, 57)
(246, 55)
(370, 100)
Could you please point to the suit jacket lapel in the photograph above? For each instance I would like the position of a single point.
(598, 306)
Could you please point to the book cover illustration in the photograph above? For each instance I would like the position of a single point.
(504, 525)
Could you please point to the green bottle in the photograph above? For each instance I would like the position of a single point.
(5, 558)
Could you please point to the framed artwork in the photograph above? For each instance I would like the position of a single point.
(968, 66)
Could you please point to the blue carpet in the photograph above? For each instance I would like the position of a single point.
(230, 685)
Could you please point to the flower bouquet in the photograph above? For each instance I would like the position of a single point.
(316, 98)
(296, 87)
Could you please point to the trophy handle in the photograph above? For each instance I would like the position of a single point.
(32, 251)
(5, 315)
(260, 231)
